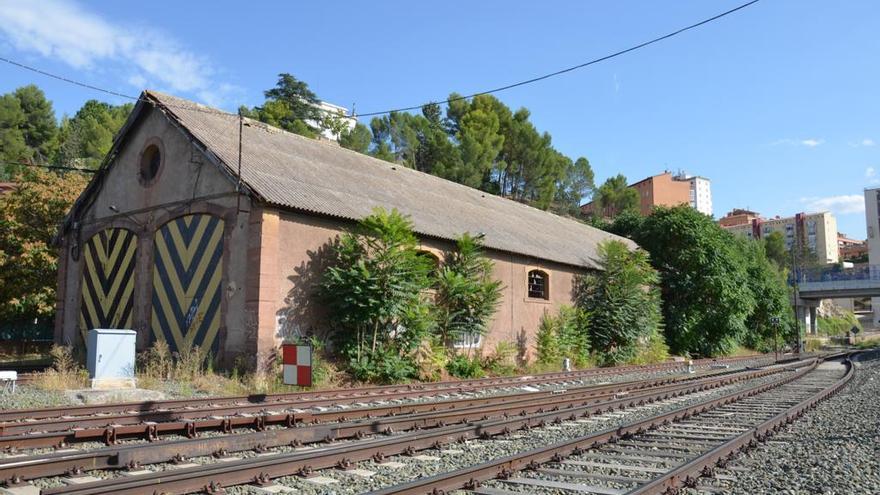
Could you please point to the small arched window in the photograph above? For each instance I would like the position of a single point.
(539, 284)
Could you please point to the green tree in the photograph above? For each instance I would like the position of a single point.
(771, 316)
(622, 301)
(466, 294)
(358, 138)
(373, 294)
(29, 218)
(28, 131)
(774, 246)
(13, 148)
(577, 185)
(614, 195)
(40, 129)
(705, 287)
(292, 106)
(564, 335)
(87, 137)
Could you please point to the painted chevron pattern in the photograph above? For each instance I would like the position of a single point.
(108, 280)
(187, 274)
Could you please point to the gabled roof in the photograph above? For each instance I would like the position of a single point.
(298, 173)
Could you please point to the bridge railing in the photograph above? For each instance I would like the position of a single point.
(835, 273)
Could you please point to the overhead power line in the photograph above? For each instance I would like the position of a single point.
(49, 167)
(574, 67)
(446, 101)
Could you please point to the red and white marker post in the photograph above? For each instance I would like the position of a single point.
(296, 362)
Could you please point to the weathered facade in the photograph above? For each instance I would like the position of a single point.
(205, 229)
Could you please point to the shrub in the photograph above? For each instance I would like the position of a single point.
(65, 373)
(466, 295)
(564, 335)
(373, 291)
(651, 350)
(622, 300)
(462, 366)
(430, 359)
(502, 361)
(384, 365)
(834, 326)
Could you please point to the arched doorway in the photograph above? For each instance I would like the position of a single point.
(108, 280)
(187, 275)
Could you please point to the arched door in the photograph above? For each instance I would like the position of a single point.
(108, 280)
(187, 275)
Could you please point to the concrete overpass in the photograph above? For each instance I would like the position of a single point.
(832, 282)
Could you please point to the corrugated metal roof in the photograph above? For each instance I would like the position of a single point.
(295, 172)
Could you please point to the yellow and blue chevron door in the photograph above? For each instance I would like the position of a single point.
(187, 275)
(108, 280)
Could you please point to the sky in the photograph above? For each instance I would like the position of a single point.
(777, 104)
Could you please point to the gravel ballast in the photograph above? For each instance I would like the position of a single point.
(834, 449)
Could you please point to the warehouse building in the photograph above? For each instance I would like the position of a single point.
(206, 229)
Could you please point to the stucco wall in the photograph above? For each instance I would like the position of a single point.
(188, 182)
(300, 242)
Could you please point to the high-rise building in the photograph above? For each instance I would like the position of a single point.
(666, 190)
(815, 231)
(699, 192)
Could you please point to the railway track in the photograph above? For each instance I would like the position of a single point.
(352, 395)
(429, 429)
(49, 430)
(659, 455)
(586, 400)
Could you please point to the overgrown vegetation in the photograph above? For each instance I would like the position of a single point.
(65, 373)
(622, 300)
(839, 324)
(564, 335)
(373, 291)
(717, 290)
(466, 295)
(387, 323)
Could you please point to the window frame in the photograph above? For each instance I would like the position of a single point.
(545, 280)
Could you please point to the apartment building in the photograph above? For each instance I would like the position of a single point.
(666, 189)
(816, 231)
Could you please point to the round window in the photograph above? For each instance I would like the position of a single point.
(151, 160)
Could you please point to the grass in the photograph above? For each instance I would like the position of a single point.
(868, 343)
(190, 373)
(65, 374)
(834, 326)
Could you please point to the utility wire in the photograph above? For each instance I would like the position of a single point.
(49, 167)
(414, 107)
(575, 67)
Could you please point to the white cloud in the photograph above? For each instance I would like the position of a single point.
(809, 143)
(65, 31)
(868, 142)
(870, 172)
(841, 205)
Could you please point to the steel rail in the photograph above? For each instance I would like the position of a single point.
(212, 478)
(110, 428)
(502, 468)
(18, 469)
(703, 465)
(362, 393)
